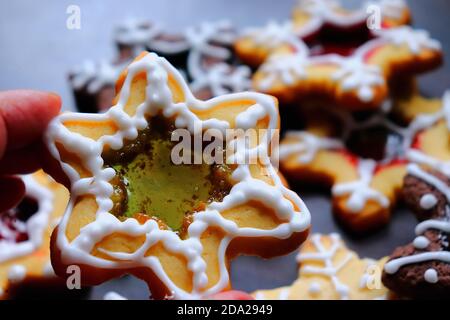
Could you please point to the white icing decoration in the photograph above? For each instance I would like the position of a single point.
(326, 256)
(363, 281)
(220, 78)
(366, 277)
(17, 273)
(329, 270)
(327, 11)
(424, 159)
(421, 242)
(136, 32)
(431, 276)
(34, 226)
(321, 12)
(415, 39)
(199, 40)
(441, 225)
(159, 98)
(287, 68)
(428, 201)
(95, 75)
(284, 294)
(353, 72)
(140, 34)
(418, 157)
(275, 34)
(113, 296)
(306, 145)
(314, 288)
(360, 191)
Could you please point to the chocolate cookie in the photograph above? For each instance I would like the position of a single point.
(422, 268)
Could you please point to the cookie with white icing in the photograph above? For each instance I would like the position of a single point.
(132, 36)
(422, 268)
(313, 19)
(352, 72)
(25, 235)
(328, 270)
(365, 187)
(93, 82)
(204, 53)
(133, 210)
(356, 81)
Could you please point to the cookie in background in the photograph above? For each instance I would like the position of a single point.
(25, 237)
(328, 270)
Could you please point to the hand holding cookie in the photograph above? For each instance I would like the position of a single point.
(24, 116)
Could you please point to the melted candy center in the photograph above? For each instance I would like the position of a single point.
(375, 143)
(149, 184)
(343, 42)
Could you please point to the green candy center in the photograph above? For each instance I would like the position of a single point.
(148, 182)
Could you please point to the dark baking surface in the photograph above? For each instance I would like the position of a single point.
(37, 50)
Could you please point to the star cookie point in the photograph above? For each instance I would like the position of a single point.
(328, 270)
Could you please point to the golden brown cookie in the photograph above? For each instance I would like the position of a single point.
(357, 81)
(328, 270)
(176, 226)
(25, 235)
(344, 63)
(310, 18)
(365, 188)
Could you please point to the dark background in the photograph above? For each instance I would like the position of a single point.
(37, 50)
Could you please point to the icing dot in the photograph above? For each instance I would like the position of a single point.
(314, 288)
(17, 273)
(421, 242)
(363, 281)
(431, 276)
(428, 201)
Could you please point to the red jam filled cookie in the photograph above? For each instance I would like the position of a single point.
(25, 235)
